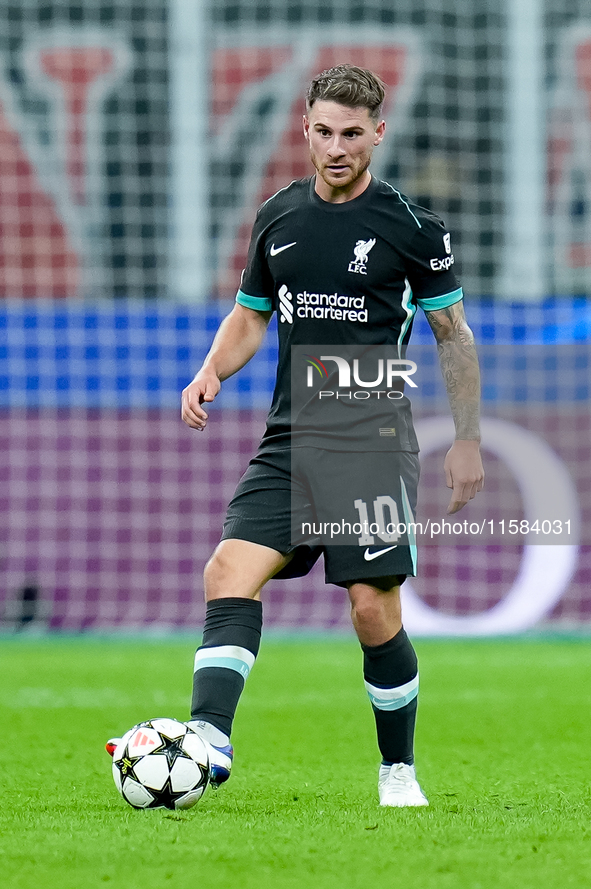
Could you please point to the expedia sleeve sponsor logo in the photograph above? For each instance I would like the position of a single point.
(442, 265)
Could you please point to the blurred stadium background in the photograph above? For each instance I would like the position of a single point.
(136, 141)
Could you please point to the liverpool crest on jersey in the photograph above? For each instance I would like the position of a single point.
(361, 251)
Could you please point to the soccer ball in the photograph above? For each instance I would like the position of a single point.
(161, 763)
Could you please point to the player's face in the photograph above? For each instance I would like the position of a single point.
(341, 141)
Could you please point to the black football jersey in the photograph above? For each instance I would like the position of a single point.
(345, 274)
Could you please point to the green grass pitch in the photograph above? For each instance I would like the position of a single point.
(503, 753)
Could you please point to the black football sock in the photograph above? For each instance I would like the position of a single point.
(231, 639)
(392, 683)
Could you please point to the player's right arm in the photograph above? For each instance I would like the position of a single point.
(239, 337)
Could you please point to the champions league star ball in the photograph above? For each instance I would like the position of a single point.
(161, 763)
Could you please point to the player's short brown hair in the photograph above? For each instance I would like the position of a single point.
(348, 85)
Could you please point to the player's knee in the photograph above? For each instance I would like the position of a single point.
(373, 606)
(367, 610)
(216, 575)
(226, 575)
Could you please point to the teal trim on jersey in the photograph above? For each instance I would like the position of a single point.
(405, 202)
(258, 303)
(410, 309)
(441, 302)
(410, 522)
(230, 663)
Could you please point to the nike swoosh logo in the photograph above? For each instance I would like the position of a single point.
(369, 556)
(275, 250)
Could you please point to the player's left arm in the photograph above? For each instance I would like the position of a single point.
(463, 468)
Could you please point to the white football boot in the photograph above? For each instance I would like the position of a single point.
(219, 749)
(398, 786)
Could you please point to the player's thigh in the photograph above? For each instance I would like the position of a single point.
(240, 568)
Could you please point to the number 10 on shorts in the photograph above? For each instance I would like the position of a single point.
(386, 524)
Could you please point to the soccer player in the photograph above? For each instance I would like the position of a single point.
(344, 259)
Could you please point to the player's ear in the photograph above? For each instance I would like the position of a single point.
(380, 131)
(306, 124)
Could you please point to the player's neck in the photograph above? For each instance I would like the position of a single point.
(336, 195)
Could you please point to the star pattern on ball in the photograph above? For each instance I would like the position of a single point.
(126, 765)
(174, 750)
(148, 767)
(167, 797)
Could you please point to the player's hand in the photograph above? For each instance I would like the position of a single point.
(464, 473)
(204, 388)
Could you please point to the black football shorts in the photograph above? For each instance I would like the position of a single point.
(356, 508)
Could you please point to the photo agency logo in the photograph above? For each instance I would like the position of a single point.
(338, 377)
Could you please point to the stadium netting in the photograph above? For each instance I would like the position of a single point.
(95, 139)
(110, 505)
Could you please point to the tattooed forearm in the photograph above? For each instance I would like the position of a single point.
(459, 366)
